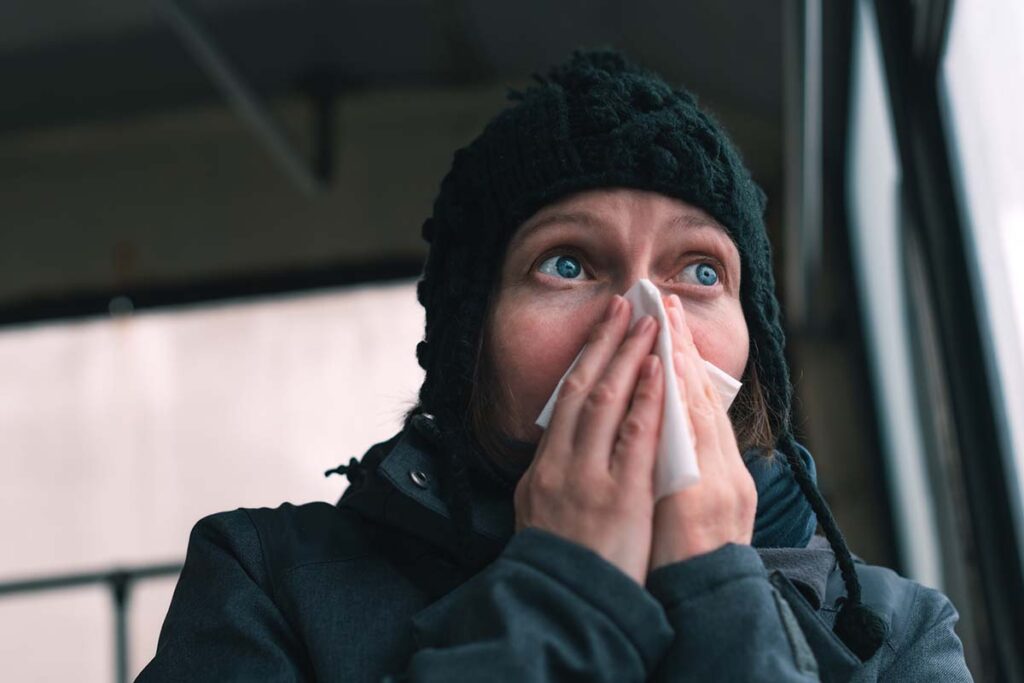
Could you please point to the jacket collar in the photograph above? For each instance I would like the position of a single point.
(400, 485)
(808, 568)
(404, 489)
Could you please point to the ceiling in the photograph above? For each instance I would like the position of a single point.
(103, 105)
(68, 61)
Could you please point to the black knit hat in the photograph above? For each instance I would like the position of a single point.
(598, 121)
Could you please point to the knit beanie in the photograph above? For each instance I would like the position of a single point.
(598, 121)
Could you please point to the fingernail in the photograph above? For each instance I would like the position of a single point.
(613, 308)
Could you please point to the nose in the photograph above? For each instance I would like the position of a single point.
(631, 277)
(662, 294)
(628, 283)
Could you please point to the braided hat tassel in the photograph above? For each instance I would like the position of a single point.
(862, 629)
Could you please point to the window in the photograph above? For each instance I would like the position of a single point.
(874, 178)
(981, 76)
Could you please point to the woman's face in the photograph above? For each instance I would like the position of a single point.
(566, 262)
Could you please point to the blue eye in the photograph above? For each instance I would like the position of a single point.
(562, 266)
(704, 272)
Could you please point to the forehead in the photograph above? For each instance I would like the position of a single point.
(614, 211)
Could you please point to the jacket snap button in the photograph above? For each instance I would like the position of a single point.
(418, 478)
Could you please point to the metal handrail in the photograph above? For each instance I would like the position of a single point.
(118, 579)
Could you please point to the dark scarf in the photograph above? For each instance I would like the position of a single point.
(784, 517)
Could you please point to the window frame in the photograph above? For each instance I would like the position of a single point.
(912, 39)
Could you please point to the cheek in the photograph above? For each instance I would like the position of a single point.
(532, 347)
(722, 339)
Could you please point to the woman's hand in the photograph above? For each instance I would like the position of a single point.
(720, 508)
(591, 479)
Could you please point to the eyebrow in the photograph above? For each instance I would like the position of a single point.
(587, 220)
(706, 225)
(684, 220)
(696, 221)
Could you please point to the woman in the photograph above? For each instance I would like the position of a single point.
(475, 546)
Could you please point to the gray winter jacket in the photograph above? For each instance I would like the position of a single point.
(370, 590)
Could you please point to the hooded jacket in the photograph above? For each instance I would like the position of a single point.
(371, 589)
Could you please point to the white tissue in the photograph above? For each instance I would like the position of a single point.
(676, 464)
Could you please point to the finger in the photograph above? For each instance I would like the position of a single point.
(678, 361)
(604, 339)
(681, 344)
(606, 405)
(677, 314)
(688, 346)
(680, 331)
(636, 442)
(676, 324)
(727, 437)
(711, 405)
(702, 415)
(727, 443)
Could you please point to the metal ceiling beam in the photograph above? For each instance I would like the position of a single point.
(243, 99)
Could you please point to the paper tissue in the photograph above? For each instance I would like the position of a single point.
(676, 460)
